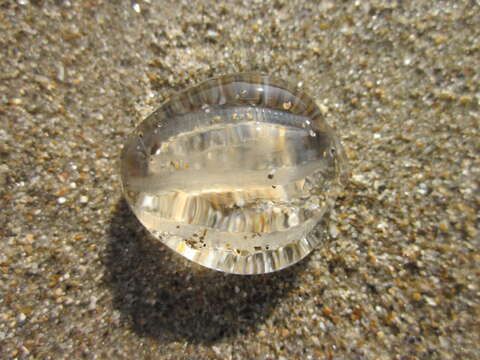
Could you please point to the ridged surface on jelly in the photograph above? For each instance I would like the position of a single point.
(234, 174)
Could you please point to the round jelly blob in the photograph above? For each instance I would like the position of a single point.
(237, 174)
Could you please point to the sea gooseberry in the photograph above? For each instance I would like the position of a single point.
(237, 174)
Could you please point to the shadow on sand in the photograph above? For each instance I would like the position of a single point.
(166, 297)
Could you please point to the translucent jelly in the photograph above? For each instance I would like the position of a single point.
(236, 174)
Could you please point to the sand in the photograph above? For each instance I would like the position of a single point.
(398, 275)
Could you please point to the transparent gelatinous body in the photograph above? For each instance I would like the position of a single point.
(235, 174)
